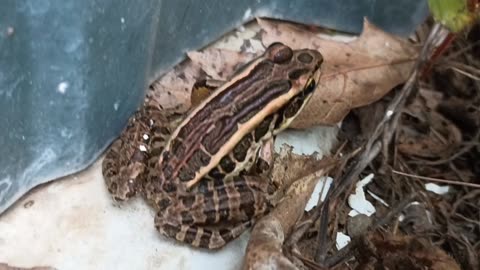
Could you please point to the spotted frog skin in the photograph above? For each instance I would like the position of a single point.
(198, 170)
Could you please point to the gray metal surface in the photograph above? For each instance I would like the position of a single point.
(71, 72)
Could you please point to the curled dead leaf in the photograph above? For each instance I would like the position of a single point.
(173, 89)
(219, 64)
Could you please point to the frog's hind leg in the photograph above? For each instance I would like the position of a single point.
(204, 237)
(214, 213)
(214, 202)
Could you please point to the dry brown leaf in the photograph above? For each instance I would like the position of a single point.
(354, 74)
(219, 64)
(174, 88)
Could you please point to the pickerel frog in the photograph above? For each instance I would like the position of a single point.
(197, 171)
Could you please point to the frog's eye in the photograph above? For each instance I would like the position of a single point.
(283, 55)
(279, 53)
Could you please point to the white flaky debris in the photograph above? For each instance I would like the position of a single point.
(324, 183)
(358, 201)
(440, 190)
(342, 240)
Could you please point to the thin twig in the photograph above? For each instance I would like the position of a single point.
(439, 180)
(469, 75)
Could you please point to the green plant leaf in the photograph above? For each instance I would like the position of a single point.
(454, 14)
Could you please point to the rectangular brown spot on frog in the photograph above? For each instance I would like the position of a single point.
(187, 218)
(227, 164)
(186, 173)
(198, 159)
(205, 239)
(190, 234)
(223, 207)
(263, 128)
(209, 208)
(241, 149)
(167, 171)
(216, 174)
(188, 200)
(235, 200)
(171, 231)
(177, 148)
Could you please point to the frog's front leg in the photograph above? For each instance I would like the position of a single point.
(124, 165)
(215, 212)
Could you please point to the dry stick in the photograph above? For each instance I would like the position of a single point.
(374, 144)
(463, 67)
(439, 180)
(469, 75)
